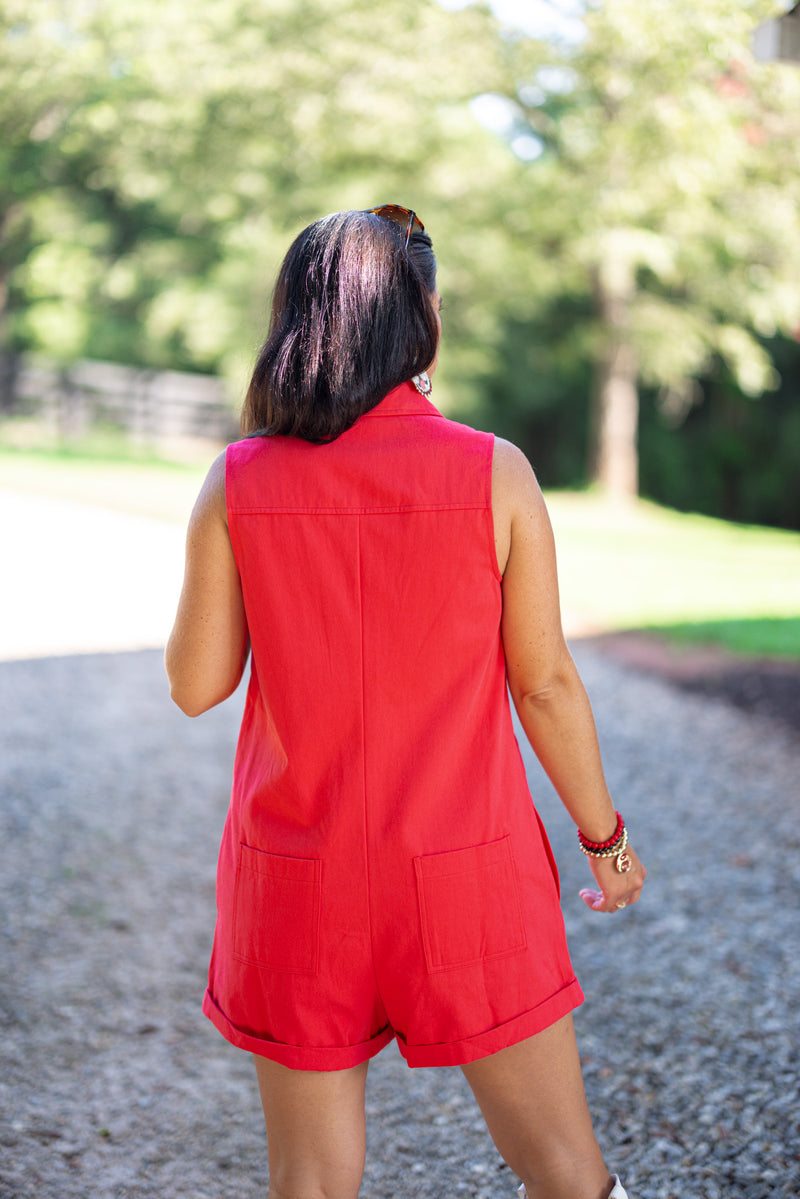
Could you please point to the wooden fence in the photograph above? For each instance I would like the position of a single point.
(151, 406)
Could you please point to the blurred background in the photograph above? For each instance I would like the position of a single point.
(613, 193)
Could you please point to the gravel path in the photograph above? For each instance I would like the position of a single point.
(112, 1083)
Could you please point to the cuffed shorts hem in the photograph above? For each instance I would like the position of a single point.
(470, 1049)
(297, 1057)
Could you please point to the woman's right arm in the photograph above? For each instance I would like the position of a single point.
(548, 694)
(209, 642)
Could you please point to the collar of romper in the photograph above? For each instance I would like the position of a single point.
(404, 400)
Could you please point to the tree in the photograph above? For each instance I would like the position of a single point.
(668, 189)
(159, 155)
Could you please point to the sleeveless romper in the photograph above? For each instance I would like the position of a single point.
(383, 872)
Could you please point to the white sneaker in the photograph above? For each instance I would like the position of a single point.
(618, 1192)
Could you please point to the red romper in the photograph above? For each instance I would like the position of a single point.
(383, 872)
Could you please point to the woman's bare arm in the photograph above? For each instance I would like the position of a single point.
(208, 646)
(545, 686)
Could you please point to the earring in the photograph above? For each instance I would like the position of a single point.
(422, 383)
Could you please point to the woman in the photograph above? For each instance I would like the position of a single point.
(383, 872)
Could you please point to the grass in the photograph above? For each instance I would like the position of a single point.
(763, 637)
(139, 483)
(694, 579)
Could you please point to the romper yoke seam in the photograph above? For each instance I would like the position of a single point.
(365, 510)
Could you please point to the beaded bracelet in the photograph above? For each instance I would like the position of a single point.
(599, 846)
(614, 847)
(617, 848)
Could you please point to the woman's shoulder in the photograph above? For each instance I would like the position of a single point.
(518, 505)
(513, 476)
(210, 502)
(247, 448)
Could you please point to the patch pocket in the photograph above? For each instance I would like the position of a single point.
(469, 905)
(276, 910)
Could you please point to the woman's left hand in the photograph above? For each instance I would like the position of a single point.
(617, 891)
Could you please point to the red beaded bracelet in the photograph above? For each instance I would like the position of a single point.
(600, 846)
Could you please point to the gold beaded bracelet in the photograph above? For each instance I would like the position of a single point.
(611, 852)
(623, 861)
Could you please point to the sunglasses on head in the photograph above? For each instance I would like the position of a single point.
(404, 217)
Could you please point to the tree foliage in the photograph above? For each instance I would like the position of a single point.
(159, 155)
(668, 191)
(632, 241)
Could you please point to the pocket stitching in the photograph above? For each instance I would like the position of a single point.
(315, 882)
(507, 859)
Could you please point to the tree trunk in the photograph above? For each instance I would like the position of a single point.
(615, 414)
(9, 362)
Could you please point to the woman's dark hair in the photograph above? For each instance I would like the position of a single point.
(353, 316)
